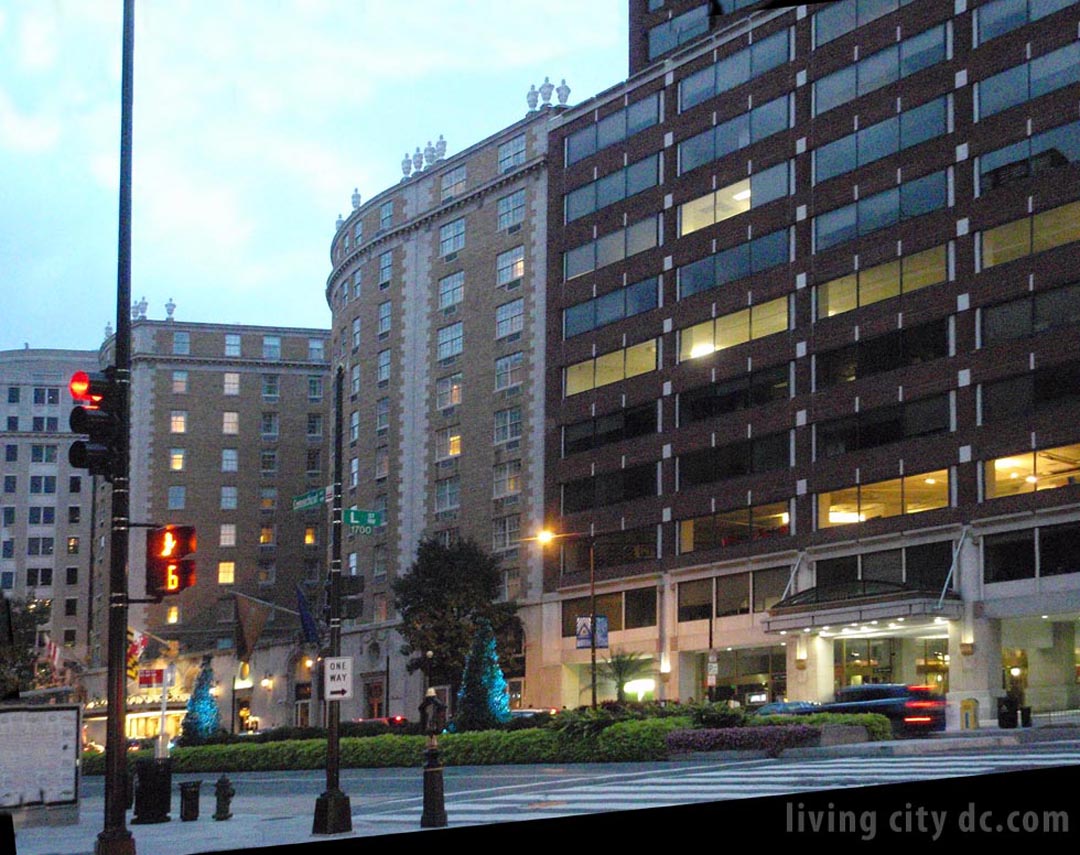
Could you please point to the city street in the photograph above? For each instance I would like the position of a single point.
(274, 808)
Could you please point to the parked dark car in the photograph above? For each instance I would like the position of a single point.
(913, 710)
(788, 708)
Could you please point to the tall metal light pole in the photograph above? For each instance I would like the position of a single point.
(115, 838)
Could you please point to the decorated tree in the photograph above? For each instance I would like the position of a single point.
(203, 721)
(484, 701)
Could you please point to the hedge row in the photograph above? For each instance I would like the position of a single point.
(771, 740)
(878, 727)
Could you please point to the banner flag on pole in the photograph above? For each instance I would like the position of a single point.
(250, 619)
(136, 645)
(311, 631)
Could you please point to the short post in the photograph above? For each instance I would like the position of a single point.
(433, 720)
(189, 800)
(223, 792)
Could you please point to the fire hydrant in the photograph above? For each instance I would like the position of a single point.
(223, 792)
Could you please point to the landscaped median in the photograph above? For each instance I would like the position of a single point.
(577, 737)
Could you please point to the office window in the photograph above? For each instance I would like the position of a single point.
(612, 188)
(610, 367)
(13, 423)
(379, 563)
(382, 415)
(883, 281)
(314, 461)
(382, 463)
(450, 341)
(677, 31)
(447, 494)
(227, 534)
(226, 572)
(45, 424)
(613, 128)
(315, 388)
(507, 479)
(74, 514)
(268, 498)
(386, 215)
(384, 318)
(908, 495)
(1052, 149)
(511, 210)
(230, 423)
(41, 515)
(316, 349)
(1031, 471)
(734, 70)
(1043, 231)
(734, 134)
(505, 532)
(39, 576)
(509, 371)
(509, 318)
(266, 535)
(75, 484)
(611, 248)
(354, 426)
(610, 488)
(179, 382)
(11, 453)
(177, 459)
(451, 289)
(1021, 83)
(271, 387)
(42, 483)
(507, 425)
(382, 367)
(71, 575)
(268, 461)
(354, 472)
(386, 268)
(269, 425)
(759, 189)
(510, 266)
(177, 497)
(231, 383)
(453, 183)
(232, 344)
(228, 498)
(512, 154)
(13, 394)
(448, 442)
(271, 347)
(38, 453)
(311, 535)
(230, 460)
(314, 424)
(448, 391)
(8, 517)
(7, 549)
(10, 483)
(740, 525)
(452, 237)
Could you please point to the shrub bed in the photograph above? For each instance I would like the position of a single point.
(878, 727)
(771, 740)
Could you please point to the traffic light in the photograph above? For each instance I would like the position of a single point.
(170, 567)
(98, 418)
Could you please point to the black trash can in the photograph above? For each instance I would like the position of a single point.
(1025, 716)
(1007, 713)
(153, 790)
(189, 801)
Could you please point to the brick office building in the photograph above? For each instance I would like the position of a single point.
(812, 314)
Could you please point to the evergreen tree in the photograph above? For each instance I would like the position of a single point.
(203, 720)
(484, 701)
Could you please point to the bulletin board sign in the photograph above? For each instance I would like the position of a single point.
(39, 756)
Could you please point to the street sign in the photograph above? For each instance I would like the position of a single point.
(338, 682)
(365, 519)
(311, 499)
(150, 678)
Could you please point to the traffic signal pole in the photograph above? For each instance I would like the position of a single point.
(116, 838)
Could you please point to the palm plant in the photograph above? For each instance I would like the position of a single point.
(621, 668)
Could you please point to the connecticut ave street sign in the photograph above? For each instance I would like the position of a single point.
(338, 683)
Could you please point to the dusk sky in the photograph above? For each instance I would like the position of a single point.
(254, 121)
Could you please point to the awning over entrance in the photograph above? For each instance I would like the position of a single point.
(858, 602)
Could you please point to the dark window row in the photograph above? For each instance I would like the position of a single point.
(1057, 147)
(630, 609)
(678, 31)
(738, 262)
(737, 393)
(880, 69)
(883, 425)
(734, 70)
(729, 528)
(882, 139)
(614, 306)
(750, 456)
(730, 136)
(609, 488)
(899, 349)
(881, 210)
(732, 595)
(920, 568)
(619, 185)
(610, 428)
(1033, 314)
(1046, 551)
(1021, 83)
(611, 549)
(1031, 393)
(613, 129)
(837, 19)
(1003, 16)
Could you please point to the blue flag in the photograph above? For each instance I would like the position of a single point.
(311, 631)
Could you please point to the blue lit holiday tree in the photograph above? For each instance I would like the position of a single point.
(203, 720)
(484, 700)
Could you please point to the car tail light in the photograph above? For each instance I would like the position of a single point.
(917, 719)
(923, 705)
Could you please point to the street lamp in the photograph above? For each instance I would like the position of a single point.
(544, 537)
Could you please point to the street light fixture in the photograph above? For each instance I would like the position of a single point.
(544, 537)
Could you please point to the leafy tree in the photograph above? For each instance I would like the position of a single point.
(203, 721)
(446, 592)
(621, 668)
(484, 699)
(19, 669)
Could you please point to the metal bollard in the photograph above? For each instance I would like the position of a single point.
(223, 792)
(189, 801)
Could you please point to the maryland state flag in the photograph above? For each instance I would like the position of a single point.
(136, 644)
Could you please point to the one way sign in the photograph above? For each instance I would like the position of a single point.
(338, 685)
